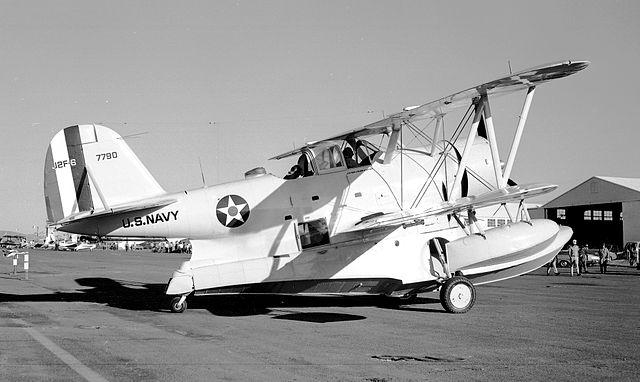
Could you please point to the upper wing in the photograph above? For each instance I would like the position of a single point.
(498, 196)
(512, 83)
(505, 85)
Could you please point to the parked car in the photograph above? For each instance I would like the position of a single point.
(593, 258)
(630, 253)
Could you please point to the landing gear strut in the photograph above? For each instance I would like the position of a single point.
(179, 304)
(457, 294)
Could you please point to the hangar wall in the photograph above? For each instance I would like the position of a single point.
(631, 218)
(600, 209)
(596, 190)
(592, 224)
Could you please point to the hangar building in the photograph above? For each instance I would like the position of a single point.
(601, 209)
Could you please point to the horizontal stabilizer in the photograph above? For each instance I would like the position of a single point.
(500, 196)
(124, 208)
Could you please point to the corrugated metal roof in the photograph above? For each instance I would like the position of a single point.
(599, 190)
(632, 183)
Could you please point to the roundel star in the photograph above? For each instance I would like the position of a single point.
(232, 211)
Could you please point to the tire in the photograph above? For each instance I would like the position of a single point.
(176, 307)
(563, 263)
(457, 295)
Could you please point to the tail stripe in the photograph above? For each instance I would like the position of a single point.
(78, 170)
(62, 171)
(51, 191)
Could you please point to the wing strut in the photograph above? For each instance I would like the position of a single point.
(511, 218)
(461, 224)
(436, 133)
(518, 135)
(493, 143)
(523, 213)
(442, 259)
(473, 222)
(482, 109)
(393, 141)
(467, 147)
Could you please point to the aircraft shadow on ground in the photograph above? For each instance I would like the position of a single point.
(119, 294)
(151, 297)
(247, 305)
(319, 317)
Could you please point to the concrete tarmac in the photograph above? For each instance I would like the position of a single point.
(102, 315)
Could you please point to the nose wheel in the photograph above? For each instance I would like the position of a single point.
(457, 295)
(179, 304)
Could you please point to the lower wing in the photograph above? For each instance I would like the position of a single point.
(498, 196)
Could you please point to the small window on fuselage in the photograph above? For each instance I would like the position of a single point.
(313, 233)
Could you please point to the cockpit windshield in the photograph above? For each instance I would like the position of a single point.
(365, 152)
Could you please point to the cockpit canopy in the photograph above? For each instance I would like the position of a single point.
(326, 157)
(330, 156)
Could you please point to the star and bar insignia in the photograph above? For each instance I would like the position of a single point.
(232, 211)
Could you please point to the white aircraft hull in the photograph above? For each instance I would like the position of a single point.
(393, 264)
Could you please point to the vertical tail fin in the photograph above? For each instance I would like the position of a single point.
(90, 167)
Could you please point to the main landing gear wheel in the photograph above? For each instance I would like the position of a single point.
(457, 295)
(179, 304)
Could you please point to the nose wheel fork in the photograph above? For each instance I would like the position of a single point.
(179, 304)
(457, 294)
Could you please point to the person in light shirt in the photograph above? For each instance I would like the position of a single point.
(574, 253)
(605, 256)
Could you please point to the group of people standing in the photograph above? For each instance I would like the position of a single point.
(578, 258)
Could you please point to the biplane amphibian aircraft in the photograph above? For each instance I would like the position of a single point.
(350, 218)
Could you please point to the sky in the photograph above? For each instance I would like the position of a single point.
(225, 85)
